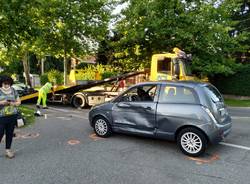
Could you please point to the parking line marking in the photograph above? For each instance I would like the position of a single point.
(62, 110)
(240, 117)
(235, 146)
(77, 116)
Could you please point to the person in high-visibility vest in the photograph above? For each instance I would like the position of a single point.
(43, 95)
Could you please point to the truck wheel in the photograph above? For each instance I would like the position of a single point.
(192, 142)
(79, 101)
(102, 127)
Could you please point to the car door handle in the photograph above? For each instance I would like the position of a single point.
(123, 105)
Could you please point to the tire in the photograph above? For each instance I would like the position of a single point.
(198, 143)
(102, 127)
(79, 101)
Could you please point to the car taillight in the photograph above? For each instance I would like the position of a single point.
(223, 111)
(210, 114)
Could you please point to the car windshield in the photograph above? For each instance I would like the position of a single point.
(213, 93)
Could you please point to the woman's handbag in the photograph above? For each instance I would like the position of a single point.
(20, 120)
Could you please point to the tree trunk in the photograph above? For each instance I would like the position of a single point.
(42, 66)
(26, 69)
(65, 67)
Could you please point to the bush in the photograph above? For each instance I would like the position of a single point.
(44, 78)
(27, 114)
(237, 84)
(86, 74)
(89, 72)
(108, 74)
(55, 76)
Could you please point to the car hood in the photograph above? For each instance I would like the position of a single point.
(104, 106)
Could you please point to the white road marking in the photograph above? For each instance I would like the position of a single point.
(70, 113)
(238, 108)
(239, 117)
(77, 116)
(64, 118)
(235, 146)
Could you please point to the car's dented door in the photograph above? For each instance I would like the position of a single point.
(135, 116)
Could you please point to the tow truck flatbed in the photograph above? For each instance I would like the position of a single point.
(72, 90)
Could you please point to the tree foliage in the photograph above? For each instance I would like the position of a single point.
(198, 27)
(60, 28)
(19, 22)
(214, 31)
(243, 26)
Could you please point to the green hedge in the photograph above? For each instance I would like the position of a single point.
(54, 76)
(44, 78)
(27, 114)
(236, 84)
(89, 72)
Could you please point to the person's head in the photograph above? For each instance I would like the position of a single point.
(171, 92)
(140, 91)
(6, 82)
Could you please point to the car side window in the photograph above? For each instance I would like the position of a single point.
(140, 94)
(177, 94)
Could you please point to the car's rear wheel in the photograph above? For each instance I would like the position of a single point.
(102, 127)
(192, 142)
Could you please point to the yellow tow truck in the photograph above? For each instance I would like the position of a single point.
(171, 66)
(167, 66)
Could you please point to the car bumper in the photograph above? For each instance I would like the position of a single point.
(221, 131)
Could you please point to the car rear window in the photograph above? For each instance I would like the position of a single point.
(177, 94)
(213, 93)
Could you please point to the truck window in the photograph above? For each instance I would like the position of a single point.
(164, 65)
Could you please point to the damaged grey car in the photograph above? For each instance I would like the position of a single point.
(191, 113)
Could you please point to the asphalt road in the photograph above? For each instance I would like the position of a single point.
(239, 111)
(47, 158)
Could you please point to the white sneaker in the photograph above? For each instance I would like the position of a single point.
(9, 154)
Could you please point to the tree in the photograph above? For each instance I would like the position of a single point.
(243, 26)
(19, 24)
(62, 28)
(73, 28)
(198, 27)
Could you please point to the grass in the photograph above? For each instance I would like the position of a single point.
(28, 114)
(237, 103)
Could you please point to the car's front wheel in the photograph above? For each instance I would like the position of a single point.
(192, 142)
(102, 127)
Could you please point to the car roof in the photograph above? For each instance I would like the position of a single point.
(191, 84)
